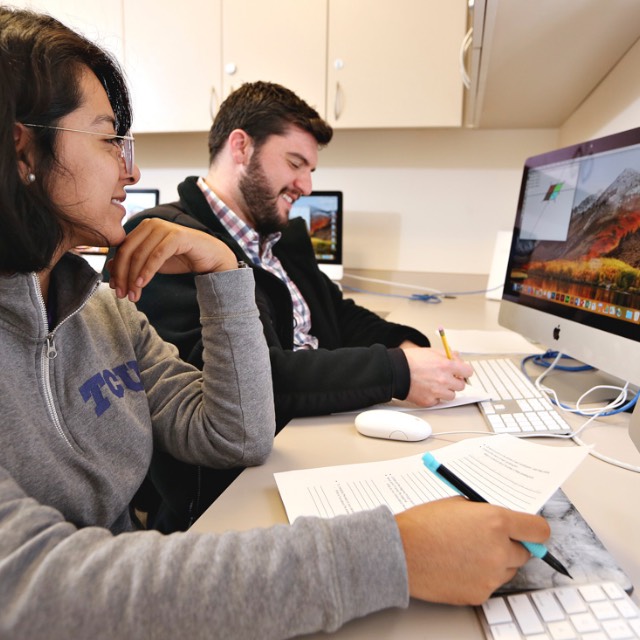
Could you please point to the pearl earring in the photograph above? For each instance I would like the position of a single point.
(31, 177)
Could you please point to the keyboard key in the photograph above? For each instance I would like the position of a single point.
(586, 612)
(496, 611)
(562, 630)
(592, 593)
(521, 407)
(570, 600)
(506, 631)
(617, 630)
(584, 622)
(604, 610)
(627, 609)
(525, 614)
(547, 606)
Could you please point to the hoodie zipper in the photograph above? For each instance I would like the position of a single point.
(49, 354)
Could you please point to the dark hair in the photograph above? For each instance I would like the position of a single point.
(263, 109)
(41, 64)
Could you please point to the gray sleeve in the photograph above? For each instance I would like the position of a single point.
(57, 582)
(223, 416)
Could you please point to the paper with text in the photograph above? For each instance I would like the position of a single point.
(471, 394)
(505, 470)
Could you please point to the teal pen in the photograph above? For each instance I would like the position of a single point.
(448, 477)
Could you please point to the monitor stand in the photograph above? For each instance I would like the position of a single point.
(334, 271)
(634, 426)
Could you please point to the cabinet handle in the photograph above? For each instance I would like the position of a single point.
(464, 47)
(337, 104)
(213, 103)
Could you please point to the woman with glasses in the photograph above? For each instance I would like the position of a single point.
(87, 389)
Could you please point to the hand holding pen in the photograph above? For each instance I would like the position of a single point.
(452, 480)
(460, 552)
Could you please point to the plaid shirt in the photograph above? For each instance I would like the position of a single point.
(260, 251)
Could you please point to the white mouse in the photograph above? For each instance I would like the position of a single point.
(392, 425)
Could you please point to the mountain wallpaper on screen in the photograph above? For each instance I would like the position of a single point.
(603, 242)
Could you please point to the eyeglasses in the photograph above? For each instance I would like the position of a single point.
(124, 142)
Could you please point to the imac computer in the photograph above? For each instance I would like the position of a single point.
(322, 211)
(573, 274)
(138, 200)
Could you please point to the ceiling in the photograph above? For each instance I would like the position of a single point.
(533, 62)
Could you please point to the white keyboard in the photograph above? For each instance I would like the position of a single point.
(597, 611)
(516, 406)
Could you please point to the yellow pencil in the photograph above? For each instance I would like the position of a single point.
(445, 344)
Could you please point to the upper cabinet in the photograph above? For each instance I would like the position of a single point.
(283, 41)
(360, 63)
(101, 22)
(533, 63)
(173, 63)
(395, 63)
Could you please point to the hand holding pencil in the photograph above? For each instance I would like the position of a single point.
(433, 377)
(447, 349)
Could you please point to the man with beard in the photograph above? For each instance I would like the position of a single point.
(327, 354)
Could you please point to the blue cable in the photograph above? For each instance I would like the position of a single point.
(425, 297)
(541, 361)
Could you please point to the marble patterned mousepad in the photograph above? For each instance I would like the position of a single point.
(576, 545)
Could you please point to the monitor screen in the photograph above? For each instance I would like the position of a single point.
(138, 200)
(573, 275)
(322, 211)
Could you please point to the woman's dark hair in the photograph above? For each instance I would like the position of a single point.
(41, 65)
(263, 109)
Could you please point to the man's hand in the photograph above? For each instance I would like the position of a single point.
(158, 246)
(434, 377)
(459, 552)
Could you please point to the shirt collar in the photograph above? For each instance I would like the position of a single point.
(248, 238)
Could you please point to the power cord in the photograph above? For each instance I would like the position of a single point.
(618, 405)
(433, 295)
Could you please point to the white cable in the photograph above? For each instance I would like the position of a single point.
(619, 401)
(595, 413)
(464, 47)
(607, 459)
(395, 284)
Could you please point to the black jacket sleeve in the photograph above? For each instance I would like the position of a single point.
(356, 365)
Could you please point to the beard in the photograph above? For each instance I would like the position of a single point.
(261, 202)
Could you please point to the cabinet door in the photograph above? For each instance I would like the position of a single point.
(100, 22)
(283, 41)
(395, 63)
(173, 60)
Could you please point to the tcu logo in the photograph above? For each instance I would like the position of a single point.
(116, 381)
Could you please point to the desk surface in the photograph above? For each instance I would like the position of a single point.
(608, 497)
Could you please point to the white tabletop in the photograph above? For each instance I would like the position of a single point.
(608, 497)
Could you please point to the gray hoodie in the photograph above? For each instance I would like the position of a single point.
(81, 408)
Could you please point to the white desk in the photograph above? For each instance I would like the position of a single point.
(607, 497)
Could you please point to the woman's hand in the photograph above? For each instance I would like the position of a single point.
(158, 246)
(460, 552)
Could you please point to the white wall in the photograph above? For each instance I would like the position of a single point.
(612, 107)
(423, 200)
(415, 200)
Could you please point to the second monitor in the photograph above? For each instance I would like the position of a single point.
(322, 211)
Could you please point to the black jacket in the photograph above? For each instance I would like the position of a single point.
(356, 364)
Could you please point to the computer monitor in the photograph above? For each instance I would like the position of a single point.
(140, 199)
(573, 274)
(322, 211)
(634, 427)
